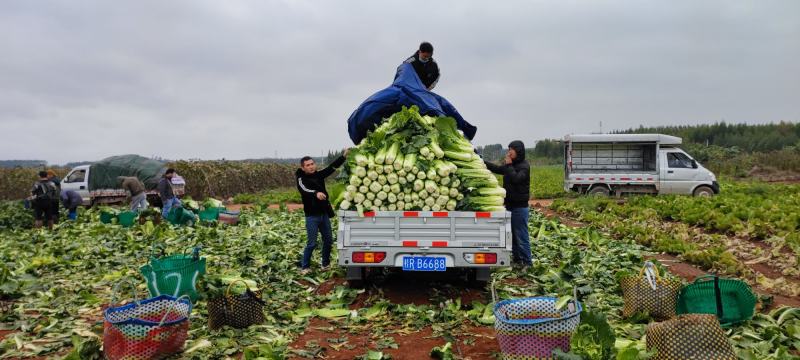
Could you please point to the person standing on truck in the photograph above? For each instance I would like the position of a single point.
(317, 208)
(424, 65)
(168, 198)
(42, 195)
(70, 199)
(517, 181)
(135, 187)
(51, 175)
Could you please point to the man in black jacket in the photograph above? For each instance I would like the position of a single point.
(517, 181)
(424, 65)
(317, 208)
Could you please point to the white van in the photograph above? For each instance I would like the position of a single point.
(605, 164)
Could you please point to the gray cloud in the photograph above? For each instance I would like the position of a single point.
(238, 79)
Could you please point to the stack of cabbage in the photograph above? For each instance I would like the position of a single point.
(414, 162)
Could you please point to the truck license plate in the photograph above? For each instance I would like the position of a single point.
(424, 263)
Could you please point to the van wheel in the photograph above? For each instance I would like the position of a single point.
(599, 190)
(703, 191)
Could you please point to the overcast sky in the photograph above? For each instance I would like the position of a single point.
(82, 80)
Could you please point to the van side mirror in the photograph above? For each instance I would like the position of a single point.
(694, 164)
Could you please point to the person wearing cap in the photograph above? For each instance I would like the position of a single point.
(517, 181)
(424, 65)
(51, 175)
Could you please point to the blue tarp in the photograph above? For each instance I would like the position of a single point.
(407, 90)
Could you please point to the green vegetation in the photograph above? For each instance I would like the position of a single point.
(265, 198)
(59, 281)
(710, 232)
(547, 182)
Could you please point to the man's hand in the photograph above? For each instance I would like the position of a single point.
(321, 195)
(507, 160)
(346, 151)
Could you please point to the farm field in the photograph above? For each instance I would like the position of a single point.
(54, 286)
(749, 230)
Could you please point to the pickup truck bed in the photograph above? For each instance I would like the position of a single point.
(394, 239)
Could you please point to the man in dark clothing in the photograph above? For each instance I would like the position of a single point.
(135, 188)
(317, 208)
(42, 195)
(168, 198)
(51, 175)
(517, 182)
(71, 200)
(424, 65)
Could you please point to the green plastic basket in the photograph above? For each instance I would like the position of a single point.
(175, 275)
(127, 218)
(209, 214)
(106, 217)
(731, 300)
(181, 216)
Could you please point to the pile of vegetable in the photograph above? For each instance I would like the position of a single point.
(416, 162)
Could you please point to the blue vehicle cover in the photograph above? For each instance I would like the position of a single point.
(407, 90)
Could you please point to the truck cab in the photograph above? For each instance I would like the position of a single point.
(605, 164)
(78, 180)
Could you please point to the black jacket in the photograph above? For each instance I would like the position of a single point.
(165, 188)
(428, 71)
(516, 177)
(310, 185)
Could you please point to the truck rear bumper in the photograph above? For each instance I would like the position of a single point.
(454, 257)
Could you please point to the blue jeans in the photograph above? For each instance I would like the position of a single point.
(168, 205)
(520, 245)
(73, 214)
(139, 202)
(314, 225)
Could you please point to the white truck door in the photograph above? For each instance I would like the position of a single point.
(78, 180)
(677, 172)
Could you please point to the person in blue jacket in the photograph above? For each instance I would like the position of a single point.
(426, 68)
(70, 199)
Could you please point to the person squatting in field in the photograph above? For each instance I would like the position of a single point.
(317, 207)
(517, 181)
(70, 200)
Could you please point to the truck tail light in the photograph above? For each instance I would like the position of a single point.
(481, 258)
(368, 257)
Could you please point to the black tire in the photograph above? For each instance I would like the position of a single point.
(703, 191)
(599, 190)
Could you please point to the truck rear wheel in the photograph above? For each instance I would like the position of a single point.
(703, 191)
(599, 190)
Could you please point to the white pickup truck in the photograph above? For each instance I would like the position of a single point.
(424, 241)
(605, 164)
(97, 183)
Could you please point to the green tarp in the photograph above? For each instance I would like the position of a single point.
(103, 174)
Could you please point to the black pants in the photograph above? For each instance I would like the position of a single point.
(42, 210)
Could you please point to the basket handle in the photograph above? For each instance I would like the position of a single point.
(115, 291)
(195, 252)
(171, 308)
(717, 291)
(228, 291)
(650, 274)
